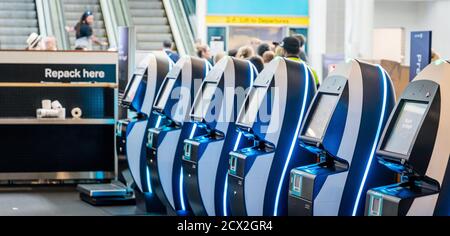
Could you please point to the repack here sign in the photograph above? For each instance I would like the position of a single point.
(36, 73)
(73, 74)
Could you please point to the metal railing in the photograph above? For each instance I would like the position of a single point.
(190, 9)
(115, 14)
(181, 29)
(51, 21)
(180, 14)
(110, 19)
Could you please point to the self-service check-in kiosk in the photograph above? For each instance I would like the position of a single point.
(131, 133)
(173, 126)
(343, 127)
(415, 144)
(214, 135)
(270, 118)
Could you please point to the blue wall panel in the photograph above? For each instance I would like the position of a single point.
(259, 7)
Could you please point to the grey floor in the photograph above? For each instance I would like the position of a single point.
(54, 201)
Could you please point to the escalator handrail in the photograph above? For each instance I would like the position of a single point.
(51, 21)
(180, 26)
(110, 21)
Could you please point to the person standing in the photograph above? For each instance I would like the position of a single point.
(84, 32)
(245, 52)
(167, 48)
(291, 49)
(204, 52)
(302, 39)
(263, 48)
(268, 57)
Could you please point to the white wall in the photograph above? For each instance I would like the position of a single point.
(317, 33)
(436, 16)
(400, 14)
(201, 20)
(415, 16)
(359, 28)
(335, 27)
(394, 50)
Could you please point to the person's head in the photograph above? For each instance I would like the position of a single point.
(268, 57)
(291, 47)
(301, 38)
(279, 51)
(87, 18)
(257, 62)
(245, 52)
(203, 52)
(262, 49)
(50, 43)
(434, 55)
(232, 53)
(219, 57)
(167, 44)
(255, 42)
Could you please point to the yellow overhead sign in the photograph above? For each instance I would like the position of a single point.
(257, 20)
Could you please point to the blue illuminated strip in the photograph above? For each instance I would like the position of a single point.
(149, 184)
(294, 141)
(183, 205)
(253, 71)
(225, 196)
(225, 191)
(191, 136)
(236, 146)
(181, 187)
(158, 122)
(375, 143)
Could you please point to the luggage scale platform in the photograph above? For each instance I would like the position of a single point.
(54, 201)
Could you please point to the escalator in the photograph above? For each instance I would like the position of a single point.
(18, 19)
(73, 9)
(152, 26)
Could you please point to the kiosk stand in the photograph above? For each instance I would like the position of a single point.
(270, 119)
(165, 138)
(214, 135)
(415, 144)
(131, 133)
(343, 127)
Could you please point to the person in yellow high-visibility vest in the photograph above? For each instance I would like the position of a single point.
(291, 48)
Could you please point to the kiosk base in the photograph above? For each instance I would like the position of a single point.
(108, 201)
(396, 199)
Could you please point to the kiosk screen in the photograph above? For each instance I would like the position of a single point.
(132, 89)
(166, 91)
(403, 132)
(201, 105)
(321, 116)
(255, 99)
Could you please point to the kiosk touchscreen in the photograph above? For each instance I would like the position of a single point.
(173, 126)
(270, 119)
(214, 135)
(415, 145)
(131, 133)
(343, 126)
